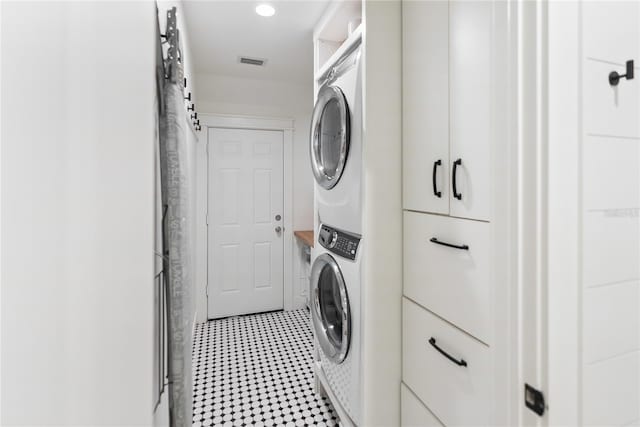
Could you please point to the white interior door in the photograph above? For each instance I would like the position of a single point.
(594, 210)
(610, 215)
(245, 221)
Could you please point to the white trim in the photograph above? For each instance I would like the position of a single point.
(564, 194)
(287, 154)
(202, 180)
(266, 123)
(531, 214)
(245, 122)
(504, 182)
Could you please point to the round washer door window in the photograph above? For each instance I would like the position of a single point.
(329, 136)
(330, 309)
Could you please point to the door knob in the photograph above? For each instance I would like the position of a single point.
(278, 229)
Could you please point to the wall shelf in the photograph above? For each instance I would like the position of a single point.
(344, 47)
(305, 236)
(332, 33)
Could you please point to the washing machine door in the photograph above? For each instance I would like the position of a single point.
(329, 136)
(330, 308)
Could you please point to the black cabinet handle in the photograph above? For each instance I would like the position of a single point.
(460, 362)
(450, 245)
(453, 179)
(433, 179)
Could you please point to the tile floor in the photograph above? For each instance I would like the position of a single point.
(257, 371)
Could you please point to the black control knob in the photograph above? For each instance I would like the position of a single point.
(334, 239)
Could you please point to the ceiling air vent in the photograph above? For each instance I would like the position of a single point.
(252, 61)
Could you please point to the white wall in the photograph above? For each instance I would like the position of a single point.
(251, 97)
(77, 213)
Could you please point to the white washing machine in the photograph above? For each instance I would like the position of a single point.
(335, 313)
(336, 145)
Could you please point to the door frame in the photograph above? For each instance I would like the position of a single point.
(286, 126)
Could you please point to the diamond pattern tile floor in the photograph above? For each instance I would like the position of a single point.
(257, 371)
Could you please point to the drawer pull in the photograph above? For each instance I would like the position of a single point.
(454, 175)
(460, 362)
(449, 245)
(433, 178)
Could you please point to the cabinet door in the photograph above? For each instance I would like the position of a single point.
(470, 102)
(425, 47)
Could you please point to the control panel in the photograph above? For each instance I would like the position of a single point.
(338, 242)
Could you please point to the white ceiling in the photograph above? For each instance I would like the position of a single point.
(221, 31)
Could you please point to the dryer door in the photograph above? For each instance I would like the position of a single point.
(329, 136)
(330, 308)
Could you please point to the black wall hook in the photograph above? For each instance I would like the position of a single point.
(192, 108)
(614, 77)
(194, 116)
(188, 97)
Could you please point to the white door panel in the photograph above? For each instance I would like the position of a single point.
(611, 321)
(425, 105)
(611, 246)
(245, 196)
(413, 413)
(613, 180)
(612, 392)
(470, 89)
(610, 224)
(612, 30)
(611, 110)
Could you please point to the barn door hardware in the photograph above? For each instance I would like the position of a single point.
(534, 399)
(614, 77)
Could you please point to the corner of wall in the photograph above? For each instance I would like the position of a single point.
(382, 271)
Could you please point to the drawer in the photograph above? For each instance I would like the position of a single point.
(457, 395)
(453, 283)
(413, 413)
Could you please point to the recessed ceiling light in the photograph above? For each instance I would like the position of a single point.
(265, 10)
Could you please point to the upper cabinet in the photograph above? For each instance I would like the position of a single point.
(425, 110)
(470, 107)
(447, 107)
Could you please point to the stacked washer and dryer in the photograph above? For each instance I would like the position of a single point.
(335, 294)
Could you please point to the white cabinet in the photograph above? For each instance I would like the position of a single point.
(413, 413)
(447, 110)
(446, 269)
(448, 123)
(446, 368)
(425, 110)
(470, 107)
